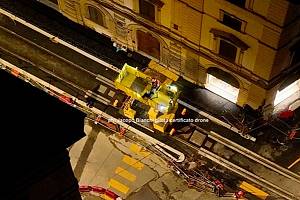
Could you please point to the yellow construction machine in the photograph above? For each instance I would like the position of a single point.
(160, 95)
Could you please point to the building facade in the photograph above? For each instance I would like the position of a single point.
(244, 50)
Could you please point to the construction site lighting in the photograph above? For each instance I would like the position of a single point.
(173, 88)
(162, 108)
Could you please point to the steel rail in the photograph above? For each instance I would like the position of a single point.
(56, 39)
(159, 144)
(94, 95)
(242, 172)
(251, 155)
(254, 156)
(98, 112)
(94, 58)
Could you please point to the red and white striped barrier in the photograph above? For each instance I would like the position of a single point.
(99, 190)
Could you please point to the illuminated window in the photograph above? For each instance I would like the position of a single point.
(222, 88)
(96, 16)
(287, 92)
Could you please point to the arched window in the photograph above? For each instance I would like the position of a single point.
(223, 84)
(148, 44)
(96, 16)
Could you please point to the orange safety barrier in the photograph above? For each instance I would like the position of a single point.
(106, 123)
(122, 131)
(15, 72)
(111, 126)
(84, 188)
(66, 99)
(100, 120)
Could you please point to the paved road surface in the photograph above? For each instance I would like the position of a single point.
(106, 160)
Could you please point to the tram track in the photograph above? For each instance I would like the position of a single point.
(79, 85)
(99, 79)
(60, 74)
(280, 184)
(261, 182)
(255, 157)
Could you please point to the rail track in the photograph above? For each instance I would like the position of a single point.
(264, 173)
(283, 182)
(72, 81)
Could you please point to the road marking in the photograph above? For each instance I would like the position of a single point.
(254, 190)
(139, 150)
(133, 162)
(118, 186)
(125, 174)
(135, 148)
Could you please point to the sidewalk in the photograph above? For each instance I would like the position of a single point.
(207, 100)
